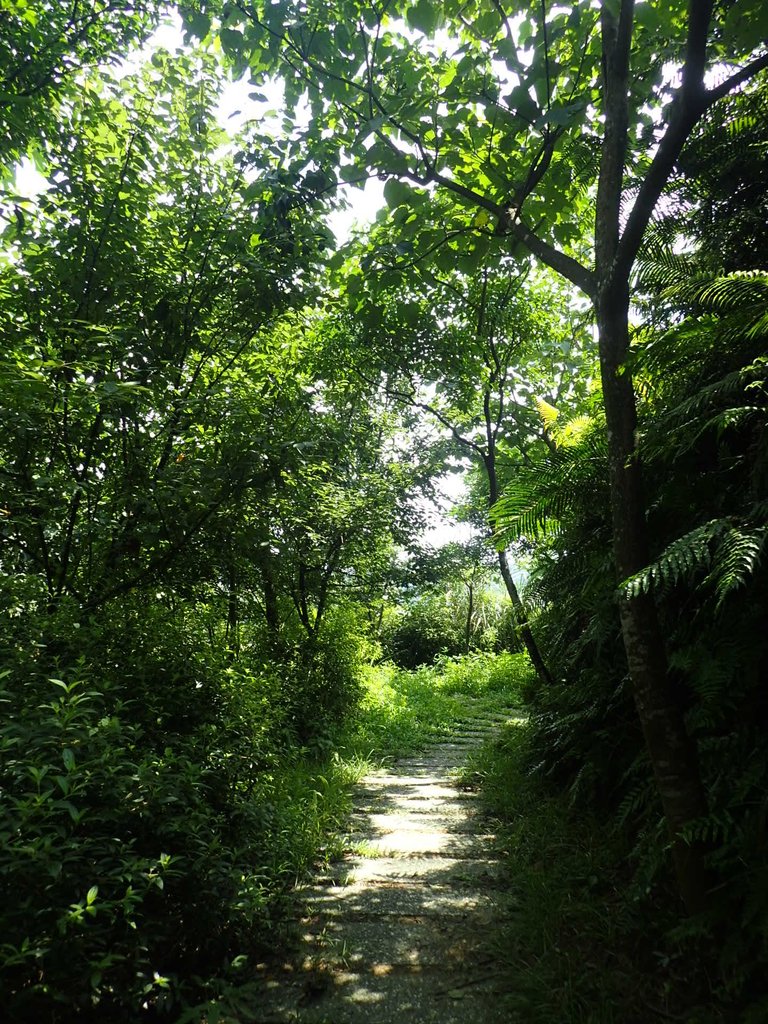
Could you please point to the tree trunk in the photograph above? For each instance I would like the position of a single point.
(521, 618)
(271, 610)
(671, 750)
(232, 635)
(470, 612)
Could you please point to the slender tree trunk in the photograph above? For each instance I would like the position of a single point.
(671, 750)
(271, 611)
(233, 615)
(470, 612)
(521, 618)
(518, 608)
(302, 604)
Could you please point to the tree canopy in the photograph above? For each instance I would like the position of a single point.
(219, 426)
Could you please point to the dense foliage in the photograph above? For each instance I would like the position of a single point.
(218, 428)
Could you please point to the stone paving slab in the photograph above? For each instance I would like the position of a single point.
(387, 995)
(442, 870)
(401, 940)
(398, 931)
(457, 804)
(411, 821)
(419, 841)
(395, 899)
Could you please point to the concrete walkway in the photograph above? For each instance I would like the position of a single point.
(400, 931)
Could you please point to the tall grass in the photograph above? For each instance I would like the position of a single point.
(402, 710)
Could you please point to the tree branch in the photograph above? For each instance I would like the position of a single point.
(560, 262)
(736, 79)
(616, 30)
(689, 106)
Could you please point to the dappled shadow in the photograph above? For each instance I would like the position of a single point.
(398, 930)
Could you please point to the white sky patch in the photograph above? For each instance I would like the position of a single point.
(362, 206)
(443, 528)
(30, 183)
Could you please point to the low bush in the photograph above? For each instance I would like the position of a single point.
(421, 631)
(149, 836)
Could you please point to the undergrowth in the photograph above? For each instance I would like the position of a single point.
(582, 943)
(403, 710)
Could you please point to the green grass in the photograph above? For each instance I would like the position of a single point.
(403, 710)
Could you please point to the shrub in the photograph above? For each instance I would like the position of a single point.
(426, 628)
(131, 873)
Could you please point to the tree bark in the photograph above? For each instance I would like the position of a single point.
(518, 608)
(470, 613)
(232, 636)
(271, 610)
(672, 752)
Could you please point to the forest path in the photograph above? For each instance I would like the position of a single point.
(399, 932)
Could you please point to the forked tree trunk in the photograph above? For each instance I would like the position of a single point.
(671, 751)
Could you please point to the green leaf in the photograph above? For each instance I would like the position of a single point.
(520, 100)
(565, 115)
(447, 76)
(424, 16)
(507, 50)
(232, 41)
(197, 24)
(354, 283)
(397, 193)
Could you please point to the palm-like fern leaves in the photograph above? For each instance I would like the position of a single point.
(545, 493)
(682, 559)
(730, 551)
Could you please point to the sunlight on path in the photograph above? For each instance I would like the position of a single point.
(400, 931)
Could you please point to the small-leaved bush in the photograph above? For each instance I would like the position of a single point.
(151, 831)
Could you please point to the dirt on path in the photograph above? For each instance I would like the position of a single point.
(402, 930)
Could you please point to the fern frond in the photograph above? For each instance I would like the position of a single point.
(658, 265)
(746, 378)
(736, 559)
(547, 412)
(731, 552)
(543, 494)
(523, 514)
(637, 800)
(728, 419)
(573, 432)
(681, 559)
(740, 290)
